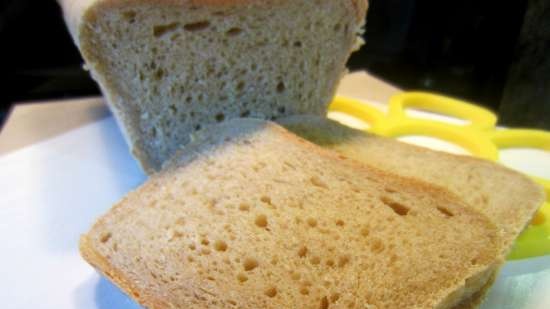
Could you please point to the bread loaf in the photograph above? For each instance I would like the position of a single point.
(169, 67)
(250, 216)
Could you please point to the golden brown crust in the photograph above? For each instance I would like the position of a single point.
(477, 298)
(359, 5)
(101, 264)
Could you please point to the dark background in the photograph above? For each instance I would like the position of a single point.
(487, 52)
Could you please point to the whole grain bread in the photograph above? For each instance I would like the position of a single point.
(169, 67)
(250, 216)
(507, 197)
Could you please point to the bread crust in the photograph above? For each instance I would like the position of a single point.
(76, 9)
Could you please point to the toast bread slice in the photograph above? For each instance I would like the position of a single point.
(251, 216)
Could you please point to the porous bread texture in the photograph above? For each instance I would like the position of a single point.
(508, 198)
(169, 67)
(250, 216)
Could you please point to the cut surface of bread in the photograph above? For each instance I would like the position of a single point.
(249, 215)
(169, 67)
(508, 198)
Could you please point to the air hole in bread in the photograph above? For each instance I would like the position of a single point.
(129, 16)
(316, 181)
(105, 237)
(445, 211)
(334, 297)
(271, 292)
(205, 242)
(240, 86)
(220, 245)
(343, 261)
(315, 260)
(398, 208)
(234, 31)
(173, 109)
(330, 262)
(324, 303)
(302, 252)
(311, 222)
(205, 251)
(304, 290)
(198, 26)
(337, 27)
(249, 264)
(244, 207)
(340, 222)
(159, 74)
(192, 247)
(266, 199)
(245, 113)
(297, 44)
(377, 246)
(176, 235)
(220, 117)
(261, 221)
(281, 87)
(161, 30)
(281, 109)
(393, 259)
(242, 278)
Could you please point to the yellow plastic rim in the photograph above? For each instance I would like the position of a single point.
(534, 241)
(358, 109)
(477, 144)
(524, 138)
(478, 117)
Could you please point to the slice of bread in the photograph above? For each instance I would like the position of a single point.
(507, 197)
(170, 67)
(250, 216)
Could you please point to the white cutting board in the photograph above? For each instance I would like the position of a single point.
(54, 190)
